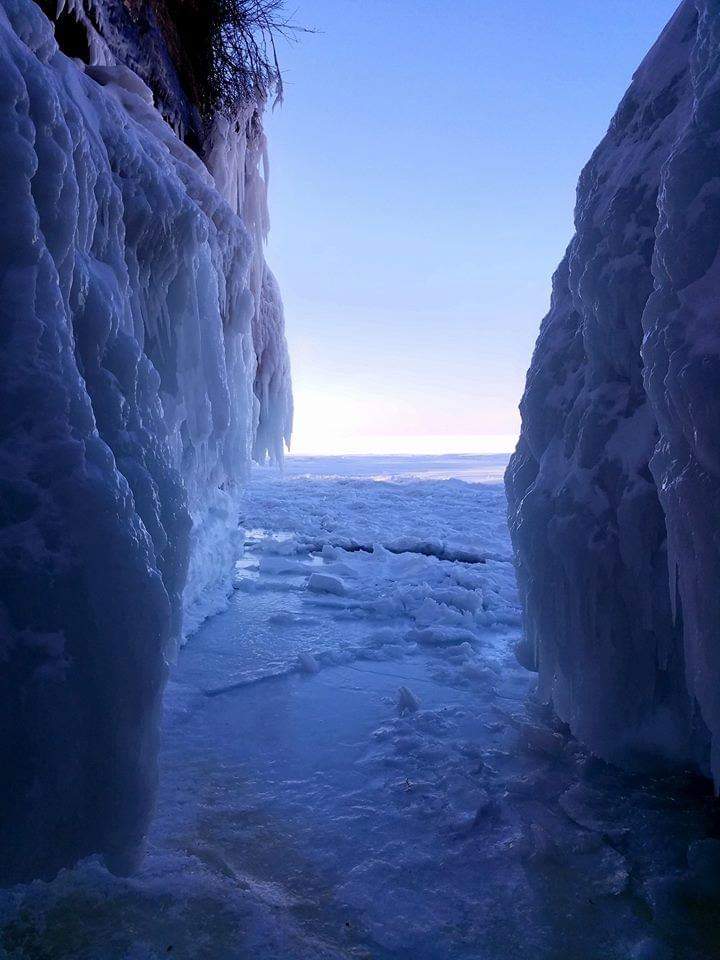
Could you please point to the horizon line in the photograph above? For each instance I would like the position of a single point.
(407, 445)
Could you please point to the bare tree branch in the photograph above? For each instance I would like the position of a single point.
(227, 49)
(245, 60)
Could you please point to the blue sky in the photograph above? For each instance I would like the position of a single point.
(423, 171)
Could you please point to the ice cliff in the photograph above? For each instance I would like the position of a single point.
(614, 490)
(143, 360)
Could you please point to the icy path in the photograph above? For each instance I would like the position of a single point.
(352, 767)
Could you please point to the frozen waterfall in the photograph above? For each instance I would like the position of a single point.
(615, 486)
(143, 359)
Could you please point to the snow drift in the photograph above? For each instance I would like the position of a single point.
(133, 296)
(614, 490)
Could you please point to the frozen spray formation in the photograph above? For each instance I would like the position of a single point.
(143, 358)
(614, 490)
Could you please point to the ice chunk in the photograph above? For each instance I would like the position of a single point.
(407, 701)
(441, 635)
(275, 566)
(308, 663)
(325, 583)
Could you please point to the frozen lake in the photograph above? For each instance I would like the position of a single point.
(353, 765)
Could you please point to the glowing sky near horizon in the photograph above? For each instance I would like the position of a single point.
(423, 171)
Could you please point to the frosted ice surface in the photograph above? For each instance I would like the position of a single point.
(301, 816)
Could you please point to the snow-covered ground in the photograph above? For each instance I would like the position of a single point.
(352, 766)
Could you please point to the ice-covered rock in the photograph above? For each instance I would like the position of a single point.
(130, 409)
(614, 490)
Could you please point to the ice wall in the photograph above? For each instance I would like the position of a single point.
(614, 490)
(133, 337)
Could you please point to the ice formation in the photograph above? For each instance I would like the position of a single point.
(614, 490)
(143, 359)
